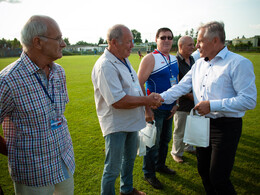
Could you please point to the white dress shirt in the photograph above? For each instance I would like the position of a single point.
(227, 81)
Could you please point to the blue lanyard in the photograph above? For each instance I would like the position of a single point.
(125, 63)
(169, 64)
(44, 89)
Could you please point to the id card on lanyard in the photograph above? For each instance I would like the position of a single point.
(173, 80)
(135, 83)
(56, 122)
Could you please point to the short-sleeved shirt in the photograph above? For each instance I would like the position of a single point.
(36, 152)
(112, 81)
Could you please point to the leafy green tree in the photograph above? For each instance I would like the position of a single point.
(66, 40)
(84, 43)
(3, 43)
(137, 36)
(10, 43)
(192, 32)
(101, 41)
(16, 43)
(175, 41)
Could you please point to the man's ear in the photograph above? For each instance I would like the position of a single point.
(216, 40)
(114, 42)
(37, 42)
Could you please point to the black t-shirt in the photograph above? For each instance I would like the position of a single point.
(185, 103)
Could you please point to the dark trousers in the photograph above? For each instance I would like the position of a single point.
(215, 162)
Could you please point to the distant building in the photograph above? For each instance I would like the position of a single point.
(254, 40)
(103, 46)
(83, 48)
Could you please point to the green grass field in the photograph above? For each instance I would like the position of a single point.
(89, 144)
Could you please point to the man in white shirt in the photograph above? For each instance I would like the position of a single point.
(120, 108)
(223, 85)
(196, 55)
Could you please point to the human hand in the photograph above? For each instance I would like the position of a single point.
(173, 111)
(189, 96)
(203, 107)
(149, 115)
(154, 100)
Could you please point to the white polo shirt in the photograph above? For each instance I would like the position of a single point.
(112, 81)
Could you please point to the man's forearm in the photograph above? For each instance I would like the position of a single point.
(3, 148)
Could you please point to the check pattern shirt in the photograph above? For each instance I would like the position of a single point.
(35, 151)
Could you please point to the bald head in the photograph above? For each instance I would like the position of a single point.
(184, 39)
(116, 32)
(120, 41)
(185, 46)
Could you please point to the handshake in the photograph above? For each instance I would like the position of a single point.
(154, 100)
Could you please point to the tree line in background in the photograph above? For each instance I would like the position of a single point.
(12, 44)
(15, 43)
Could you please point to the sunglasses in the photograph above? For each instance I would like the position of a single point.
(164, 38)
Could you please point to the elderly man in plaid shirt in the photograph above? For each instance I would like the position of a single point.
(33, 96)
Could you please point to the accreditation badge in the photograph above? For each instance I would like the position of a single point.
(173, 81)
(56, 123)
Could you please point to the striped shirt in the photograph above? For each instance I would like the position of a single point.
(36, 152)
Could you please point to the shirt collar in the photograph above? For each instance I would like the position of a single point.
(31, 66)
(222, 54)
(180, 56)
(112, 57)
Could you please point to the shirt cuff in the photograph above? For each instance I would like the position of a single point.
(215, 105)
(164, 96)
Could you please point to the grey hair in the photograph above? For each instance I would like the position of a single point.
(214, 29)
(35, 26)
(116, 32)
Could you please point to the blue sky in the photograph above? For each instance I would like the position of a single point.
(89, 20)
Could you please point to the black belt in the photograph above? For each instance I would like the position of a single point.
(225, 119)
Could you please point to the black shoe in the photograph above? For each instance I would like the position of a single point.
(153, 181)
(166, 170)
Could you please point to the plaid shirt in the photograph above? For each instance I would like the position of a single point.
(35, 151)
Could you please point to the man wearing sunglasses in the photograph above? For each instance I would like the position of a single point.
(158, 71)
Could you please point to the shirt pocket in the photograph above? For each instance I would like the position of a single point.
(60, 98)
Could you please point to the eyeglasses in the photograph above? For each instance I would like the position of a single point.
(59, 39)
(164, 38)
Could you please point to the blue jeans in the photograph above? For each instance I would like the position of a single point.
(121, 149)
(156, 156)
